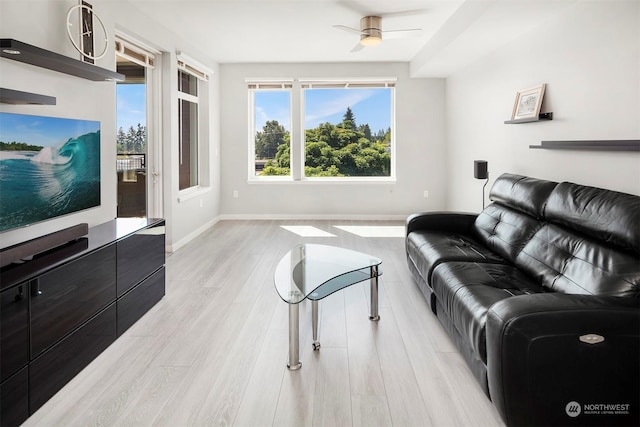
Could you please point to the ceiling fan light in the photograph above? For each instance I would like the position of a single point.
(370, 40)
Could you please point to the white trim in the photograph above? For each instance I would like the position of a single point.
(321, 217)
(269, 80)
(192, 192)
(189, 237)
(126, 49)
(193, 67)
(140, 44)
(365, 180)
(348, 79)
(356, 82)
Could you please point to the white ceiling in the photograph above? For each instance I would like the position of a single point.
(455, 32)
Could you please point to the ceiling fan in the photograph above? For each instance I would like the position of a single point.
(371, 32)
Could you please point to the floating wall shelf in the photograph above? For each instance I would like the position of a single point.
(23, 52)
(601, 145)
(541, 117)
(10, 96)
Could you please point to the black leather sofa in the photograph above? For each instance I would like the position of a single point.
(541, 294)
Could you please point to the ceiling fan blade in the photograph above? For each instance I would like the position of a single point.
(401, 34)
(357, 48)
(348, 29)
(375, 8)
(404, 13)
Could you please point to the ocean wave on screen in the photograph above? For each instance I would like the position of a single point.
(59, 155)
(12, 155)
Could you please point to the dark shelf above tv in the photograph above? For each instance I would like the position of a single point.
(23, 52)
(10, 96)
(591, 145)
(541, 117)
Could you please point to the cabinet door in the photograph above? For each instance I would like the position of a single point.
(55, 367)
(64, 298)
(14, 399)
(136, 303)
(14, 330)
(139, 255)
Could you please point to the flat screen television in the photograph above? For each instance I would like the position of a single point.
(49, 167)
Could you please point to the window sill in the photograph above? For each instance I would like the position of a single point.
(323, 181)
(191, 193)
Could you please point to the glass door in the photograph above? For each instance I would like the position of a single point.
(138, 157)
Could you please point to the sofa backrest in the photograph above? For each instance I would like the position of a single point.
(510, 222)
(605, 215)
(588, 244)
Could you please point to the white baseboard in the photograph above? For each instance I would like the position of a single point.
(180, 243)
(331, 217)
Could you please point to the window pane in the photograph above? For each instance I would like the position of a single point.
(188, 146)
(187, 83)
(348, 132)
(272, 132)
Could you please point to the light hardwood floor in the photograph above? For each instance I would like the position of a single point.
(214, 350)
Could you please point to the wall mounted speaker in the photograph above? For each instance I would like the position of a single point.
(480, 169)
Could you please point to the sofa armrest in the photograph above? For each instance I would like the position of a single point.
(545, 365)
(453, 222)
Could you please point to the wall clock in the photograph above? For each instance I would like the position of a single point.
(87, 32)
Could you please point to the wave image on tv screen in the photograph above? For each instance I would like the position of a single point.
(48, 167)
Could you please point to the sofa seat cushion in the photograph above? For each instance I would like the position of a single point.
(467, 290)
(429, 248)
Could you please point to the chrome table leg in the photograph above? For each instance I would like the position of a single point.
(314, 322)
(374, 294)
(294, 338)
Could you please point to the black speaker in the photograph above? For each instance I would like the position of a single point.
(44, 243)
(480, 169)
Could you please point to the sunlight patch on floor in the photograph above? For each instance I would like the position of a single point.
(307, 231)
(373, 230)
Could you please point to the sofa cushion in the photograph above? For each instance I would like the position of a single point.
(605, 215)
(563, 261)
(467, 290)
(528, 195)
(504, 230)
(426, 249)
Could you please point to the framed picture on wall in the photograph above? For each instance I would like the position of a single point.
(528, 103)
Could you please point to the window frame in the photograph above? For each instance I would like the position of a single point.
(266, 85)
(188, 65)
(297, 131)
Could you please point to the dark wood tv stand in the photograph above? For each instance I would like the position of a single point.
(63, 308)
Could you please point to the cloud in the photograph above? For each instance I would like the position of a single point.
(320, 112)
(276, 112)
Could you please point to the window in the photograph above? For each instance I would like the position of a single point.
(193, 127)
(345, 129)
(270, 129)
(348, 129)
(188, 130)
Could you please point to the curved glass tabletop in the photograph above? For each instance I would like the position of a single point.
(316, 271)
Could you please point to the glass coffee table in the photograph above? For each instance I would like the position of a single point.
(311, 271)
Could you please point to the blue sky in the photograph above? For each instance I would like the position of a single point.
(372, 106)
(131, 108)
(41, 130)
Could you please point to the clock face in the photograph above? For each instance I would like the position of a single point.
(87, 32)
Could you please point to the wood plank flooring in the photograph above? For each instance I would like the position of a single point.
(214, 350)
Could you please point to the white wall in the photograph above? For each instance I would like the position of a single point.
(420, 142)
(42, 23)
(589, 58)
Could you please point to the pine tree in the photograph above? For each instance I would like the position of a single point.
(349, 119)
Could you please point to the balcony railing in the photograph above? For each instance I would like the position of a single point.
(128, 162)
